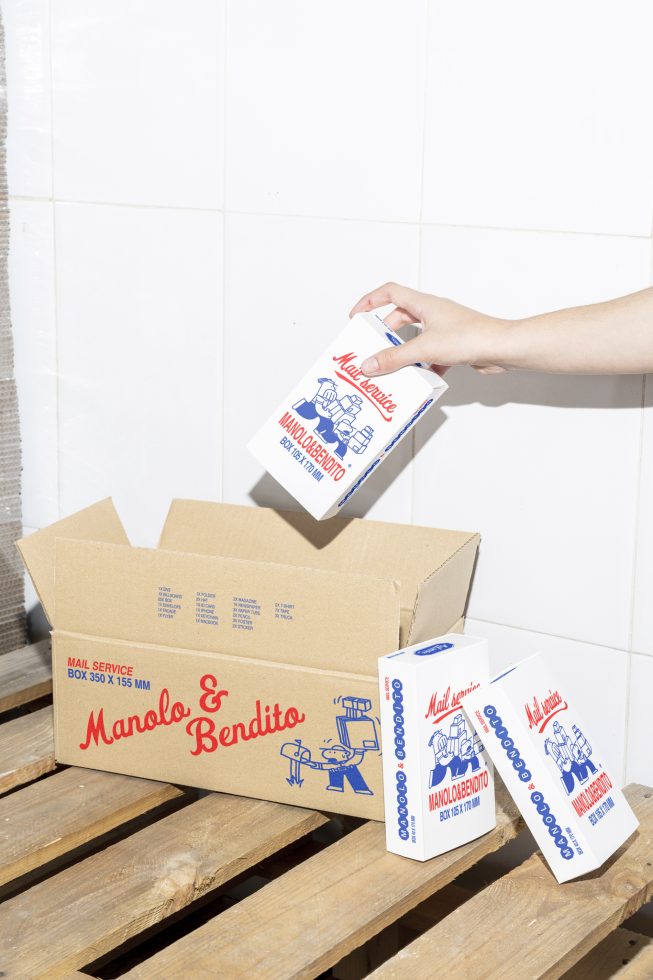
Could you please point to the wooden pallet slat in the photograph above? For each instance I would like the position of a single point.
(26, 748)
(25, 674)
(527, 919)
(54, 816)
(321, 910)
(85, 911)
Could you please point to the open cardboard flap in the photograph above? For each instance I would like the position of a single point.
(100, 522)
(368, 575)
(433, 567)
(111, 591)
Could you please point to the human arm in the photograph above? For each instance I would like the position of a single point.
(614, 337)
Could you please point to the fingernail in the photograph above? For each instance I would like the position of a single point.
(370, 366)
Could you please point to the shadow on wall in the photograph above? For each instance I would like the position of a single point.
(468, 387)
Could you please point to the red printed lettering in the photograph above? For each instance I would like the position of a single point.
(211, 700)
(202, 729)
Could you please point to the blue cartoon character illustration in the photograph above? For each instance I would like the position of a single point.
(572, 756)
(357, 734)
(454, 753)
(318, 406)
(335, 417)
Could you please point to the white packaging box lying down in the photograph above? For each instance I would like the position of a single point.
(437, 778)
(552, 766)
(337, 425)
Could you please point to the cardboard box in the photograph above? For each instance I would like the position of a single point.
(553, 767)
(241, 654)
(336, 426)
(438, 780)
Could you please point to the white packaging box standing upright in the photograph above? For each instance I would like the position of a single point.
(552, 766)
(337, 425)
(438, 781)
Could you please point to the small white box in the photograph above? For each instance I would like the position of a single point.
(552, 767)
(438, 782)
(337, 425)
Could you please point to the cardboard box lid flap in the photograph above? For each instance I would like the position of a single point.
(100, 522)
(443, 594)
(329, 620)
(403, 552)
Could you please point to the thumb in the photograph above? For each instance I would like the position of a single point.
(393, 358)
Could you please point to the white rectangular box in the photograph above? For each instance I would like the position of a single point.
(337, 425)
(438, 782)
(552, 766)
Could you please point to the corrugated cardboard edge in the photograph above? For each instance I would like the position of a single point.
(436, 596)
(99, 522)
(458, 626)
(55, 696)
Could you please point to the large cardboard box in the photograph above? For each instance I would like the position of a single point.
(552, 766)
(241, 653)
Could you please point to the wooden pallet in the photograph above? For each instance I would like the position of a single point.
(106, 875)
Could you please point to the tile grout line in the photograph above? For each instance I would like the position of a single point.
(223, 342)
(552, 636)
(55, 284)
(633, 577)
(420, 230)
(360, 219)
(638, 501)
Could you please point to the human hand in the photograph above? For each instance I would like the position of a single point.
(451, 333)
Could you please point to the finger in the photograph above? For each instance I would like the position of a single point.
(398, 318)
(408, 299)
(393, 358)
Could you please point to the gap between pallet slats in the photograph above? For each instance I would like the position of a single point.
(528, 921)
(70, 808)
(25, 675)
(96, 905)
(311, 917)
(621, 954)
(26, 748)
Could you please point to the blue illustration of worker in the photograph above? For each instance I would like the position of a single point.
(335, 418)
(571, 755)
(357, 735)
(454, 753)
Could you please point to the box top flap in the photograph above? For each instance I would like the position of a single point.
(443, 594)
(100, 522)
(402, 552)
(213, 604)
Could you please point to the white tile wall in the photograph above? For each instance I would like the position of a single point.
(31, 281)
(643, 609)
(515, 274)
(29, 138)
(640, 762)
(138, 91)
(536, 116)
(325, 108)
(289, 285)
(140, 352)
(596, 677)
(301, 154)
(545, 468)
